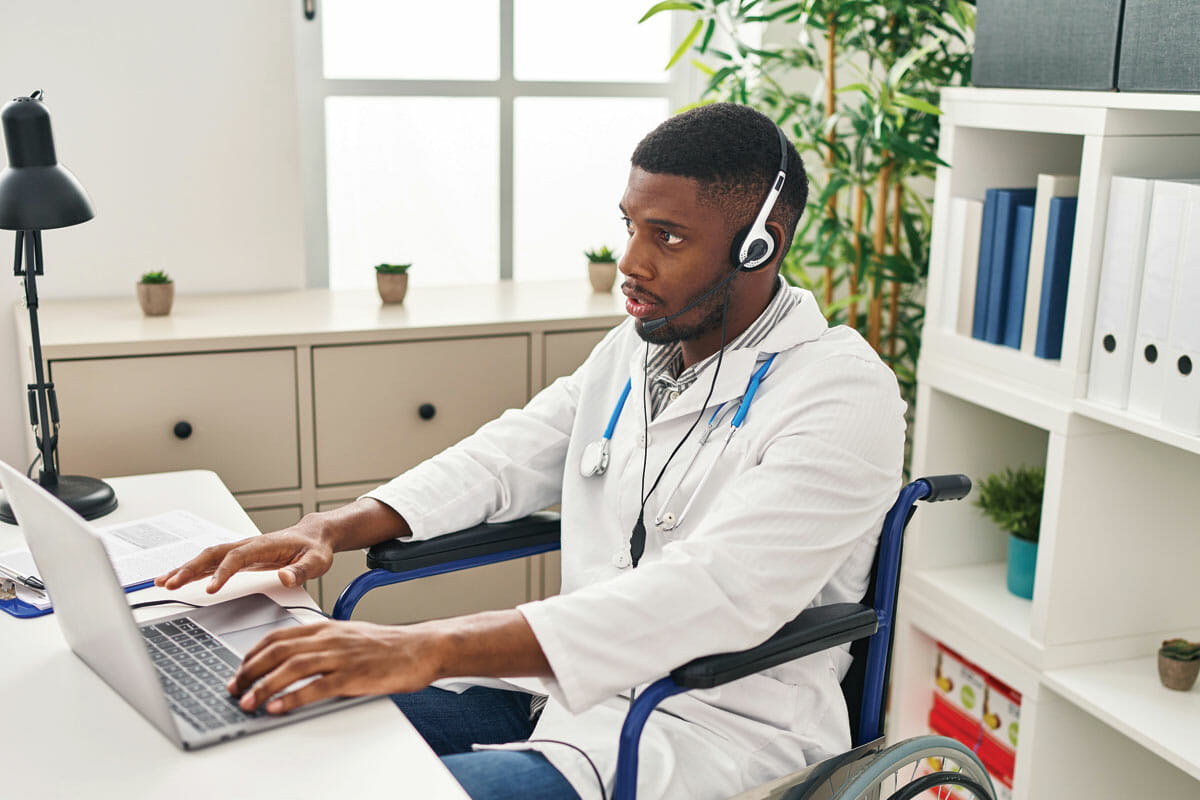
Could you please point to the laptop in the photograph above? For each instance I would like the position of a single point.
(173, 670)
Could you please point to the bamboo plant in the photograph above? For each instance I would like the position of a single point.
(870, 144)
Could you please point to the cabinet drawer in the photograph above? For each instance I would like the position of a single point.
(119, 416)
(368, 401)
(566, 351)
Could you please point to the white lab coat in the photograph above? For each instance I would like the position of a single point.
(789, 518)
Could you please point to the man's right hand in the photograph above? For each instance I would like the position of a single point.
(299, 553)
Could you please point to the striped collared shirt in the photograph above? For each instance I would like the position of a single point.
(668, 378)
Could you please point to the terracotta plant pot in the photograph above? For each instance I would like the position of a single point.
(392, 286)
(156, 298)
(1177, 675)
(602, 274)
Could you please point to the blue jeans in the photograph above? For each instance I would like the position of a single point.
(452, 722)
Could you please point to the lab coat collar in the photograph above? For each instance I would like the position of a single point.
(804, 323)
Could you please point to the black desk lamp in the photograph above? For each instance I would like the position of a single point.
(37, 194)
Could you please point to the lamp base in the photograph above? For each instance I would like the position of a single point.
(88, 497)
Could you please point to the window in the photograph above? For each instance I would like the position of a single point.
(485, 140)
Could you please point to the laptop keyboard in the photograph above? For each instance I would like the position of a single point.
(194, 668)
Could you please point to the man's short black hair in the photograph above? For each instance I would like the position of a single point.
(733, 152)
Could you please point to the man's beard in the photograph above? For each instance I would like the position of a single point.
(711, 309)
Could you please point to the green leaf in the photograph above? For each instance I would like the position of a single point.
(705, 68)
(915, 103)
(853, 87)
(708, 32)
(686, 43)
(669, 5)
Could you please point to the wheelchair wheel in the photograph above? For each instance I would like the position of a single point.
(922, 767)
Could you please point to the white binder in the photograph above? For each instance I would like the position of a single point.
(962, 264)
(1163, 237)
(1047, 186)
(1120, 290)
(1181, 381)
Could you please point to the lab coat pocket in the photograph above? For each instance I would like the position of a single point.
(758, 707)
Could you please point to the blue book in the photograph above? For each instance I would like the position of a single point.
(984, 269)
(1014, 312)
(1003, 240)
(1052, 309)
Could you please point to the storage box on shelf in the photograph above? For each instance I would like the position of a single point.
(1118, 533)
(306, 399)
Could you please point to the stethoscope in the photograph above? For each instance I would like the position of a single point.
(595, 455)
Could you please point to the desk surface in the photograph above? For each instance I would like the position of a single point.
(68, 735)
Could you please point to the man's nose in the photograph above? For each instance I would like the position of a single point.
(634, 262)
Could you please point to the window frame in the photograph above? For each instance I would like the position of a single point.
(312, 87)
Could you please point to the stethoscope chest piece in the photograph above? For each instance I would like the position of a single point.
(595, 459)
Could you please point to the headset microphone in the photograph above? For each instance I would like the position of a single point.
(752, 249)
(651, 325)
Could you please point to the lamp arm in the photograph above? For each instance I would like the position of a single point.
(45, 425)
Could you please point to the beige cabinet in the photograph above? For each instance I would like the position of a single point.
(232, 412)
(301, 400)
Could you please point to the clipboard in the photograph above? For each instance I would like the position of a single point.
(21, 610)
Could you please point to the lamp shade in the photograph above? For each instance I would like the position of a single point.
(36, 192)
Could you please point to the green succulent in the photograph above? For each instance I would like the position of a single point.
(1013, 500)
(1180, 650)
(601, 256)
(157, 276)
(392, 269)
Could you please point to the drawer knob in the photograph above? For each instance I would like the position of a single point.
(183, 430)
(426, 410)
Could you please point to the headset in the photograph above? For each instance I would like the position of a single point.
(752, 248)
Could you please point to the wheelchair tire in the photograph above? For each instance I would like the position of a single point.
(889, 765)
(937, 780)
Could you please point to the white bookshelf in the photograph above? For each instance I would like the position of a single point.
(1120, 535)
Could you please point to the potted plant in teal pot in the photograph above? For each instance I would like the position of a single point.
(1013, 500)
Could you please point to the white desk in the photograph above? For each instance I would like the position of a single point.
(66, 734)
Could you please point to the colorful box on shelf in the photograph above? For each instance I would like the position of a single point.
(960, 683)
(1001, 714)
(947, 720)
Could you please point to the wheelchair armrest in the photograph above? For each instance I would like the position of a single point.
(814, 630)
(541, 528)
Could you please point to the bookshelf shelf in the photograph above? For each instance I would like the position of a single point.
(1127, 696)
(1118, 528)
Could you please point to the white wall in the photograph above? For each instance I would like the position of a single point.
(180, 120)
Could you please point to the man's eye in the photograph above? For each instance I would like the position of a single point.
(670, 238)
(628, 225)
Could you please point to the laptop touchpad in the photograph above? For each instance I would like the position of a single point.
(241, 623)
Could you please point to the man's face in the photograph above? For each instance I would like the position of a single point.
(677, 250)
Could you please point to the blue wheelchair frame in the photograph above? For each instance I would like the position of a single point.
(868, 627)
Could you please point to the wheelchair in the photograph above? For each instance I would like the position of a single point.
(921, 767)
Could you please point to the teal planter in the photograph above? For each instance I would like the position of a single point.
(1022, 561)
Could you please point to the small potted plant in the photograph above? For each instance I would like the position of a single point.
(602, 268)
(156, 293)
(1013, 500)
(1178, 664)
(392, 282)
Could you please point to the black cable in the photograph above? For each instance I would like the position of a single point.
(637, 541)
(32, 464)
(576, 748)
(150, 603)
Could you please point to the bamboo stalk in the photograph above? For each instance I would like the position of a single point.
(860, 196)
(894, 310)
(831, 137)
(875, 313)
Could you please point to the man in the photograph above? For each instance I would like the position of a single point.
(787, 517)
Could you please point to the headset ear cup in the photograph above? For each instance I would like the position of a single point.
(770, 241)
